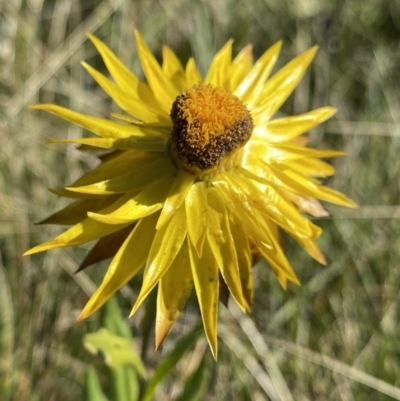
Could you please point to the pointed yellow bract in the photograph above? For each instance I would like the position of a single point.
(140, 177)
(222, 245)
(143, 204)
(205, 277)
(253, 83)
(193, 76)
(286, 128)
(129, 104)
(166, 245)
(99, 126)
(151, 202)
(243, 254)
(163, 89)
(173, 69)
(173, 291)
(240, 67)
(196, 215)
(177, 194)
(147, 143)
(125, 78)
(126, 263)
(216, 74)
(281, 85)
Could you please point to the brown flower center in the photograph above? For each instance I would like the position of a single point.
(209, 123)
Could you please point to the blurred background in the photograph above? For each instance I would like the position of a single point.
(334, 338)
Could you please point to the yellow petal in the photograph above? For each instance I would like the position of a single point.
(171, 63)
(163, 89)
(125, 78)
(244, 257)
(258, 170)
(173, 291)
(217, 74)
(134, 181)
(129, 119)
(240, 208)
(257, 167)
(145, 203)
(287, 128)
(240, 67)
(164, 249)
(281, 85)
(278, 263)
(117, 166)
(222, 245)
(310, 246)
(206, 283)
(311, 167)
(173, 69)
(267, 152)
(274, 230)
(106, 247)
(147, 143)
(127, 262)
(272, 250)
(99, 126)
(270, 203)
(73, 195)
(252, 85)
(307, 152)
(77, 211)
(193, 76)
(196, 215)
(258, 229)
(176, 197)
(304, 186)
(131, 105)
(85, 231)
(275, 153)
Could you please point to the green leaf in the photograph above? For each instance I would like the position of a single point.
(169, 362)
(113, 320)
(124, 383)
(92, 388)
(197, 383)
(124, 380)
(117, 351)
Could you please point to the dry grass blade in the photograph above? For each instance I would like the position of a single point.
(336, 366)
(6, 333)
(250, 362)
(291, 307)
(82, 279)
(58, 58)
(367, 212)
(263, 352)
(363, 128)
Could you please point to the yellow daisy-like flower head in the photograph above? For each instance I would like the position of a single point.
(200, 182)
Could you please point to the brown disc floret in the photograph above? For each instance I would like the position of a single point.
(209, 123)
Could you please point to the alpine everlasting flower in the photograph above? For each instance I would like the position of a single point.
(200, 181)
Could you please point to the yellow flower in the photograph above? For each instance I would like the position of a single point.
(200, 182)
